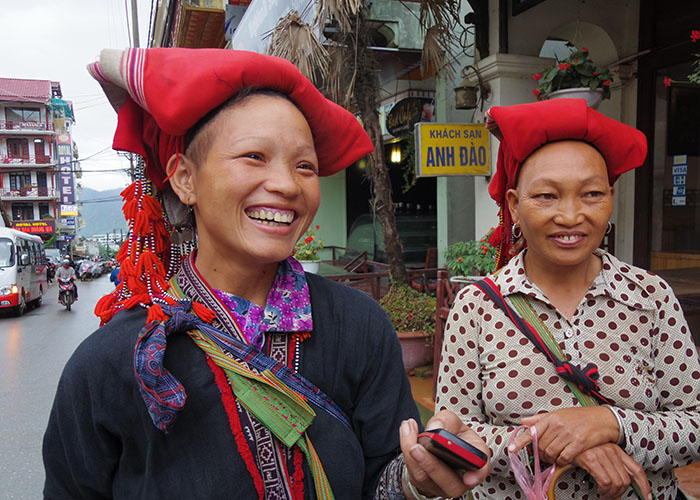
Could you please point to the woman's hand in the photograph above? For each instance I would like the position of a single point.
(429, 474)
(613, 470)
(564, 434)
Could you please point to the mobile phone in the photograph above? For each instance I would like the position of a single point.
(452, 450)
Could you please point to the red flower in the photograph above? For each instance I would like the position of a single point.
(317, 226)
(695, 35)
(564, 66)
(584, 49)
(607, 83)
(575, 61)
(595, 73)
(667, 81)
(536, 92)
(537, 76)
(309, 239)
(459, 259)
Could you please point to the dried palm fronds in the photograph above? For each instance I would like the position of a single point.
(436, 50)
(341, 76)
(439, 12)
(338, 10)
(295, 40)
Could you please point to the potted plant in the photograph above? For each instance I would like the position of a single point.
(307, 248)
(575, 76)
(413, 315)
(471, 258)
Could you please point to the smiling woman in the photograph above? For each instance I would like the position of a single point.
(279, 382)
(593, 353)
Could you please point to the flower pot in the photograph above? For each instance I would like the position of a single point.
(416, 349)
(593, 97)
(310, 266)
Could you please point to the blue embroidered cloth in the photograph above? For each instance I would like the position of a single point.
(288, 307)
(165, 396)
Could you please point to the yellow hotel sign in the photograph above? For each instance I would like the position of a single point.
(452, 149)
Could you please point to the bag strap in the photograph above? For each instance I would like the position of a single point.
(582, 382)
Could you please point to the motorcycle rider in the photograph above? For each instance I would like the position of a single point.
(66, 271)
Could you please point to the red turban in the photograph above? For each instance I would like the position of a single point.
(524, 128)
(161, 93)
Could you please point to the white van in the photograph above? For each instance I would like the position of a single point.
(22, 270)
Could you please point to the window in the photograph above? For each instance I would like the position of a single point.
(22, 211)
(44, 210)
(7, 253)
(19, 180)
(23, 115)
(18, 148)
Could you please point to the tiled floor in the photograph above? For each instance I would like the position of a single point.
(689, 477)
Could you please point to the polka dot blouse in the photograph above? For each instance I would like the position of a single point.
(629, 324)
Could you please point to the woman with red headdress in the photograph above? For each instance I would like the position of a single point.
(595, 354)
(222, 370)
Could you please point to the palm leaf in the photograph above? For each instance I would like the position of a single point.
(295, 40)
(338, 10)
(439, 12)
(436, 51)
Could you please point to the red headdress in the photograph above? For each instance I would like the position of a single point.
(159, 95)
(524, 128)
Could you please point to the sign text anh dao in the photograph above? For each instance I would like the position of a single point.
(452, 149)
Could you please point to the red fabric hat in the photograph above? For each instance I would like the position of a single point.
(524, 128)
(161, 93)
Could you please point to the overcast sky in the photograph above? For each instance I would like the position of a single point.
(55, 40)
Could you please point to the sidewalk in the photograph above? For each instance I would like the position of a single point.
(422, 388)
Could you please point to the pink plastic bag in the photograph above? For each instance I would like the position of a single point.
(534, 486)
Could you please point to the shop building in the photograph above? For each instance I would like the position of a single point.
(507, 42)
(37, 167)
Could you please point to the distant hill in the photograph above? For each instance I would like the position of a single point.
(102, 212)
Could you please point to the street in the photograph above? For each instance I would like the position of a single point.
(33, 350)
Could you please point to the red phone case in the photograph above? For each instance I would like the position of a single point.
(452, 450)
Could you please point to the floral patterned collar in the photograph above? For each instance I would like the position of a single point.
(288, 306)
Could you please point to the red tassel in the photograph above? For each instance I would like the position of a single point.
(149, 262)
(152, 207)
(141, 223)
(496, 237)
(128, 191)
(204, 313)
(155, 313)
(130, 209)
(105, 304)
(122, 251)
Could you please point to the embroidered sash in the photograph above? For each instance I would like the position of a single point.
(270, 391)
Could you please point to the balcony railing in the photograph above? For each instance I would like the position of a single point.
(28, 192)
(12, 125)
(11, 160)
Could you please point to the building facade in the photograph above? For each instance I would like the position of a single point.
(37, 160)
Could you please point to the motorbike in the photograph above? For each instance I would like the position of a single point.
(66, 292)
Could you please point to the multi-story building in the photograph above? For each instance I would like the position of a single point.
(37, 167)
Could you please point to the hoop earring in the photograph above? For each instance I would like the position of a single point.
(609, 228)
(516, 232)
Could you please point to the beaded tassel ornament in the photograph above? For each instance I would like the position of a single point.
(146, 254)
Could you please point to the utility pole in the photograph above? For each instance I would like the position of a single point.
(135, 24)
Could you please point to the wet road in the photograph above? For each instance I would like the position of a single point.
(33, 351)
